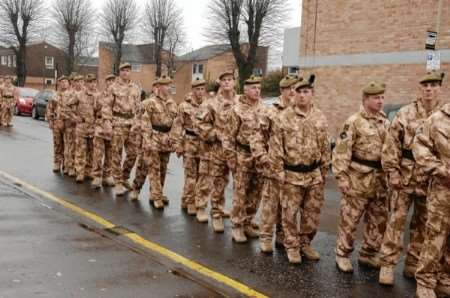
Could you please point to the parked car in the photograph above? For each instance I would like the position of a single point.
(40, 103)
(391, 109)
(24, 100)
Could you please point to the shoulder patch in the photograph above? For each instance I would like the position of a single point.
(343, 135)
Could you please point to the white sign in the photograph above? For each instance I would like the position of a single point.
(433, 60)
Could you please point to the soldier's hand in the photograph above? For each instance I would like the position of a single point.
(232, 164)
(395, 182)
(344, 185)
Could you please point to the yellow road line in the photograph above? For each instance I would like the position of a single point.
(136, 238)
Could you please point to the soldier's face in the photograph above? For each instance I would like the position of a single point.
(163, 90)
(64, 84)
(430, 90)
(199, 91)
(77, 84)
(374, 103)
(227, 83)
(109, 83)
(8, 81)
(91, 85)
(125, 73)
(304, 97)
(253, 92)
(287, 92)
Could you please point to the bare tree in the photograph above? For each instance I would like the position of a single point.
(19, 22)
(259, 20)
(75, 20)
(160, 18)
(118, 18)
(175, 42)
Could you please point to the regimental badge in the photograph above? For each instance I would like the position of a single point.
(343, 134)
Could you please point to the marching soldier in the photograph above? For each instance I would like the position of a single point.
(409, 186)
(187, 142)
(53, 114)
(157, 122)
(357, 167)
(8, 102)
(125, 98)
(102, 156)
(300, 152)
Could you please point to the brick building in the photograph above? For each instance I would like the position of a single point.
(44, 62)
(348, 43)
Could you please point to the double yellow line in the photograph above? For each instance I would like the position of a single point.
(136, 238)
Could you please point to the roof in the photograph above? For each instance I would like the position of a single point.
(131, 53)
(205, 53)
(88, 61)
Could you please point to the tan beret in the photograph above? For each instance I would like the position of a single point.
(288, 81)
(253, 80)
(164, 80)
(305, 83)
(226, 73)
(432, 76)
(90, 78)
(78, 78)
(124, 65)
(374, 88)
(63, 78)
(198, 82)
(110, 77)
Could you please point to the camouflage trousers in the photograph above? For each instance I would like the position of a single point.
(392, 245)
(270, 211)
(133, 147)
(157, 173)
(102, 158)
(84, 155)
(123, 139)
(6, 113)
(58, 147)
(142, 168)
(353, 208)
(212, 181)
(306, 200)
(191, 165)
(69, 148)
(434, 261)
(246, 196)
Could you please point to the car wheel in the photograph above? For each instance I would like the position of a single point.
(16, 111)
(34, 113)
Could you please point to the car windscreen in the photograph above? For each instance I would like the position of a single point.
(28, 92)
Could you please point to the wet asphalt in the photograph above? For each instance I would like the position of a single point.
(26, 152)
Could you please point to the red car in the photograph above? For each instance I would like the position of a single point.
(24, 101)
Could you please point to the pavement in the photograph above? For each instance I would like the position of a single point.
(26, 153)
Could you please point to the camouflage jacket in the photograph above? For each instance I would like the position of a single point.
(7, 96)
(362, 138)
(431, 147)
(125, 99)
(397, 159)
(53, 112)
(210, 124)
(103, 116)
(184, 133)
(299, 140)
(157, 120)
(83, 107)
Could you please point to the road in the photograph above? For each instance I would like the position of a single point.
(26, 153)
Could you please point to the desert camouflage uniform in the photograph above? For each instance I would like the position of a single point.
(157, 122)
(125, 98)
(210, 123)
(102, 158)
(431, 149)
(187, 140)
(240, 127)
(69, 132)
(398, 162)
(357, 159)
(299, 150)
(8, 103)
(82, 105)
(56, 124)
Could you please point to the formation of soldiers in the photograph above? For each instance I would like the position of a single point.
(279, 157)
(8, 96)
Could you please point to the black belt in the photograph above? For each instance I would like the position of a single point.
(244, 147)
(376, 164)
(191, 132)
(163, 129)
(7, 96)
(408, 154)
(300, 168)
(123, 115)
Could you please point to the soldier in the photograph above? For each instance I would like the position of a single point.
(142, 166)
(82, 105)
(210, 123)
(298, 152)
(157, 121)
(9, 94)
(403, 178)
(357, 167)
(431, 151)
(53, 115)
(125, 98)
(270, 195)
(187, 142)
(101, 170)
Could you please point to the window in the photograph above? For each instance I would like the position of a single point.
(14, 61)
(136, 67)
(10, 61)
(257, 71)
(49, 62)
(197, 71)
(4, 60)
(293, 70)
(49, 82)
